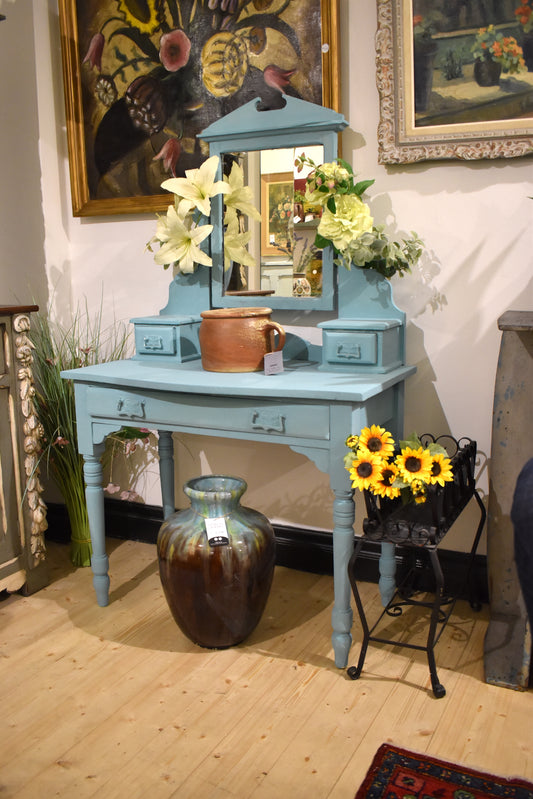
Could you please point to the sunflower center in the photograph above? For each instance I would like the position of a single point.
(387, 477)
(374, 444)
(364, 469)
(413, 464)
(436, 469)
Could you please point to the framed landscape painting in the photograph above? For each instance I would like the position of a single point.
(455, 79)
(143, 79)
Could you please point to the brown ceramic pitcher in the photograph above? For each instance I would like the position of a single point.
(237, 339)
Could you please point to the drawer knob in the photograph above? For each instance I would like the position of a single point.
(270, 421)
(133, 408)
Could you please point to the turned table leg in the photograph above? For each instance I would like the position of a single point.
(343, 544)
(94, 493)
(166, 472)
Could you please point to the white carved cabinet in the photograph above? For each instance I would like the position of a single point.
(22, 510)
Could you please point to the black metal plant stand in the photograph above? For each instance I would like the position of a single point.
(421, 528)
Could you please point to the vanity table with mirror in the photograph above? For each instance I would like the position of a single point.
(323, 394)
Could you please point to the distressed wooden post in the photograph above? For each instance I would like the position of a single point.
(508, 639)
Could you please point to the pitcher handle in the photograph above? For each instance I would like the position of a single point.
(276, 328)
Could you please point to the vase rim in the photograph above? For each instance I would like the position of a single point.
(218, 484)
(235, 313)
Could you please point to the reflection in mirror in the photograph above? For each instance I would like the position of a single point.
(285, 261)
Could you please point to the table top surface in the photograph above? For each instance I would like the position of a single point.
(299, 380)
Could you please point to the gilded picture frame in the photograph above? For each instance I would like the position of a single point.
(277, 199)
(461, 120)
(110, 55)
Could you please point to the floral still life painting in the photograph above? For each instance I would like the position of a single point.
(455, 79)
(144, 78)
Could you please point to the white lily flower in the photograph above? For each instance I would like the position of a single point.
(240, 196)
(235, 246)
(199, 185)
(180, 242)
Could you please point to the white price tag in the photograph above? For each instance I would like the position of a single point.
(217, 533)
(273, 363)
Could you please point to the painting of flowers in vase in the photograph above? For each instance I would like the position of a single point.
(468, 61)
(144, 77)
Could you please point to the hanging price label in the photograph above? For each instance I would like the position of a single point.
(217, 533)
(273, 362)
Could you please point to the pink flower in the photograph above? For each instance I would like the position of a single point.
(94, 53)
(169, 154)
(276, 77)
(174, 49)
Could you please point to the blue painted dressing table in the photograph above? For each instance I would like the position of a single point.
(324, 394)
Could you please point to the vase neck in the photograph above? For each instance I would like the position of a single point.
(214, 496)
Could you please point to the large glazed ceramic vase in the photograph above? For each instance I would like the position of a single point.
(216, 592)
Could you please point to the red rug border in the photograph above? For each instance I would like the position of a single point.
(378, 757)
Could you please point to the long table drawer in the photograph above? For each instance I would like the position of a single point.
(230, 414)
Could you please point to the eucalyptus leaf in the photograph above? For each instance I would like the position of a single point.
(362, 186)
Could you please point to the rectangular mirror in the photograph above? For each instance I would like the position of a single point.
(286, 262)
(286, 270)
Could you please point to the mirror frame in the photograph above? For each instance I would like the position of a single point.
(247, 129)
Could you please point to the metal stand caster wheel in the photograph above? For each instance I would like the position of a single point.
(353, 673)
(439, 691)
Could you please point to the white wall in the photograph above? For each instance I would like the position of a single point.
(22, 272)
(474, 217)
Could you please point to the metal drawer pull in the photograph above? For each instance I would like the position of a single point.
(131, 407)
(153, 342)
(268, 420)
(352, 352)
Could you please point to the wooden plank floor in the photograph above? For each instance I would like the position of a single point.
(116, 702)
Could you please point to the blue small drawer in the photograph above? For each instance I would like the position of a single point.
(155, 340)
(351, 348)
(362, 345)
(166, 339)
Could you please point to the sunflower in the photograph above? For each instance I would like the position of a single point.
(418, 489)
(384, 485)
(352, 442)
(365, 470)
(140, 14)
(377, 441)
(414, 464)
(441, 469)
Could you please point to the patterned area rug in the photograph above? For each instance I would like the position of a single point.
(398, 774)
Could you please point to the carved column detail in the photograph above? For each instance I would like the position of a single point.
(33, 504)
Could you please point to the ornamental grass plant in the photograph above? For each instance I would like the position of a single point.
(57, 347)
